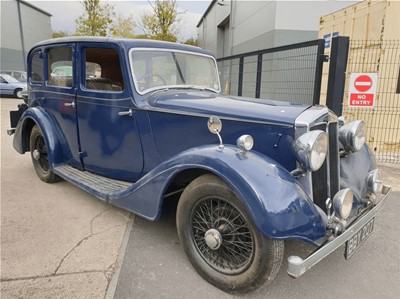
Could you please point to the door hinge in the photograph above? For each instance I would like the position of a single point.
(82, 155)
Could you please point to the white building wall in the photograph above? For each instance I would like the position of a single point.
(257, 25)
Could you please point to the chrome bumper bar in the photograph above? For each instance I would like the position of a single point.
(297, 266)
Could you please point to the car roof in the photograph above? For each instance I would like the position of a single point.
(124, 42)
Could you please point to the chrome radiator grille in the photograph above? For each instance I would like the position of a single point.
(325, 181)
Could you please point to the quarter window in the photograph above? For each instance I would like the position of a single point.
(37, 68)
(59, 67)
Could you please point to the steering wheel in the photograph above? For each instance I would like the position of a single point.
(139, 79)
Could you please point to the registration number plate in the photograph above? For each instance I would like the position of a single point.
(358, 238)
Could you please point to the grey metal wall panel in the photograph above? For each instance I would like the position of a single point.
(11, 59)
(36, 26)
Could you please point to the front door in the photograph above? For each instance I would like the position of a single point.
(108, 134)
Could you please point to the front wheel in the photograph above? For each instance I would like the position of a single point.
(40, 157)
(221, 240)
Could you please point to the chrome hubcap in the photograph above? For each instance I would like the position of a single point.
(213, 239)
(36, 155)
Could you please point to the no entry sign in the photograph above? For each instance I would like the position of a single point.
(362, 89)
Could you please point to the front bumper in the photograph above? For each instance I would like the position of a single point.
(297, 266)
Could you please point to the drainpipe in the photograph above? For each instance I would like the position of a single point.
(21, 33)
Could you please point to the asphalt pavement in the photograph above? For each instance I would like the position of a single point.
(155, 265)
(56, 240)
(59, 242)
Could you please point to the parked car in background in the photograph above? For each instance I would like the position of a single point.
(136, 123)
(21, 76)
(11, 86)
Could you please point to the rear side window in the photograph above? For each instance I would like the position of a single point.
(103, 70)
(37, 68)
(59, 67)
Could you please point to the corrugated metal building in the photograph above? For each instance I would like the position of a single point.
(230, 27)
(22, 26)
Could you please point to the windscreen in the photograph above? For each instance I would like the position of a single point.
(159, 69)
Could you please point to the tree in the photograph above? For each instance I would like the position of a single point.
(192, 42)
(123, 27)
(96, 19)
(161, 23)
(56, 34)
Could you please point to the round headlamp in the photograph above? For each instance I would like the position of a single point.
(374, 181)
(310, 149)
(343, 203)
(245, 142)
(353, 135)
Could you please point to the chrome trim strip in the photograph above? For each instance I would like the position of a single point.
(297, 266)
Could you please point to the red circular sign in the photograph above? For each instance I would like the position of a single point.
(363, 83)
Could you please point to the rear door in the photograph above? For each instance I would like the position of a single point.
(108, 133)
(58, 96)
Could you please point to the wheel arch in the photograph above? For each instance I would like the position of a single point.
(54, 139)
(275, 201)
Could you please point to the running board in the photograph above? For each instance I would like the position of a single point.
(97, 185)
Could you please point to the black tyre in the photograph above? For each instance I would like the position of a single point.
(18, 93)
(40, 158)
(221, 240)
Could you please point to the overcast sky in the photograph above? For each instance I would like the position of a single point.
(65, 12)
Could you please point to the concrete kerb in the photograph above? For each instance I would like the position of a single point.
(112, 286)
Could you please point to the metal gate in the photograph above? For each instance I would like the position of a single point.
(383, 119)
(289, 73)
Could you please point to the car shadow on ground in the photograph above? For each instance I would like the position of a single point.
(155, 265)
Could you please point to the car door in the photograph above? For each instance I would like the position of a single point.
(108, 133)
(57, 98)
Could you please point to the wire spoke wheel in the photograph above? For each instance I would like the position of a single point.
(221, 239)
(222, 236)
(40, 146)
(40, 156)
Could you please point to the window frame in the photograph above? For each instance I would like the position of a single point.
(167, 50)
(83, 48)
(48, 67)
(30, 68)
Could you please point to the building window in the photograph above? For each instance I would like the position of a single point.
(398, 83)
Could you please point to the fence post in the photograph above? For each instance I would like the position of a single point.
(337, 74)
(321, 58)
(259, 73)
(240, 78)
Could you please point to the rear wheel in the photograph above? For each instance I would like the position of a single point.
(40, 157)
(221, 240)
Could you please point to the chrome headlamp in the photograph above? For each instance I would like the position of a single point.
(374, 182)
(310, 149)
(343, 203)
(245, 143)
(353, 135)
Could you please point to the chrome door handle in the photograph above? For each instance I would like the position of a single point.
(71, 104)
(123, 113)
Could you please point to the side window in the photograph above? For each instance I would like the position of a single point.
(103, 70)
(59, 67)
(37, 68)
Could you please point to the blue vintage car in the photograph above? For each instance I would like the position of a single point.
(136, 122)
